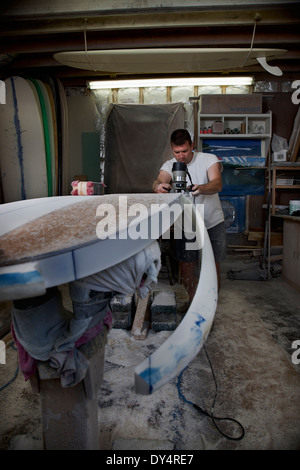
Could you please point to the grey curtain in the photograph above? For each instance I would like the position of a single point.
(137, 144)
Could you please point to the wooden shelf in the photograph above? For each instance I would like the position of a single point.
(277, 168)
(287, 186)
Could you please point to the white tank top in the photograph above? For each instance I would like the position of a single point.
(213, 213)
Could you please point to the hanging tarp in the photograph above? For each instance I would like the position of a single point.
(138, 143)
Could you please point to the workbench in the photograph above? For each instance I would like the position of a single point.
(291, 250)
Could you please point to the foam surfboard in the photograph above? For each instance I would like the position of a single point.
(60, 234)
(45, 120)
(65, 179)
(50, 123)
(55, 139)
(60, 249)
(167, 60)
(22, 158)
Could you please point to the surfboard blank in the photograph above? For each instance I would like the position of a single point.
(167, 60)
(22, 158)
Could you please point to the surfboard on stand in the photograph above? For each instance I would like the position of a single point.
(23, 157)
(63, 246)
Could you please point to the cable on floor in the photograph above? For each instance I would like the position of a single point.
(15, 374)
(211, 415)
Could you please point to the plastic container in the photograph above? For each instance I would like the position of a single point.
(294, 206)
(87, 188)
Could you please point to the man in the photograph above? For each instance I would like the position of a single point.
(205, 170)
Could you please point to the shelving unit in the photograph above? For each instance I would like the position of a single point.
(237, 126)
(280, 174)
(288, 171)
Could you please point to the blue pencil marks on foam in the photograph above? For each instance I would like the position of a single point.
(18, 131)
(10, 279)
(175, 352)
(151, 376)
(200, 320)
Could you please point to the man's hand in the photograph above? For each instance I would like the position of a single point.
(162, 188)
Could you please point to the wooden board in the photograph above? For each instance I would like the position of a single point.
(166, 60)
(140, 323)
(22, 157)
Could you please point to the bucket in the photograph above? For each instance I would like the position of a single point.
(294, 206)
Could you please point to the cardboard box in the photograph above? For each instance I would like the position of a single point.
(231, 104)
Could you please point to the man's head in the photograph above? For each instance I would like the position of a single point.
(182, 146)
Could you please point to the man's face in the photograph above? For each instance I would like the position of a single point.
(183, 153)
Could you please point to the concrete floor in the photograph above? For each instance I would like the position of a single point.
(250, 350)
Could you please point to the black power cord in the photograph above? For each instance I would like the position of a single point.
(211, 415)
(15, 374)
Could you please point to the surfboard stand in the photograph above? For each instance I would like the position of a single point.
(70, 415)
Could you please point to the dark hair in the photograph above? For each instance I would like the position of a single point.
(180, 136)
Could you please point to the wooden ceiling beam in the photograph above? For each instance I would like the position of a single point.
(182, 37)
(12, 26)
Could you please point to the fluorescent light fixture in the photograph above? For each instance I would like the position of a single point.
(156, 82)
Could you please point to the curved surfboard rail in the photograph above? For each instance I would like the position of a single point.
(189, 337)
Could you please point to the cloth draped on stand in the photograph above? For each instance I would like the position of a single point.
(45, 331)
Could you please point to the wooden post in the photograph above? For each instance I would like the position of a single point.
(140, 323)
(70, 415)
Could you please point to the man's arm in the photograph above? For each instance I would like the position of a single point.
(214, 184)
(162, 182)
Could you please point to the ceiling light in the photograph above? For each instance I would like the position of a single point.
(156, 82)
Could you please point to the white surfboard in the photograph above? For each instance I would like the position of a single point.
(11, 158)
(167, 60)
(22, 158)
(59, 235)
(63, 246)
(66, 182)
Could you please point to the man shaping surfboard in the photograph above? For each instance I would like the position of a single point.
(205, 170)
